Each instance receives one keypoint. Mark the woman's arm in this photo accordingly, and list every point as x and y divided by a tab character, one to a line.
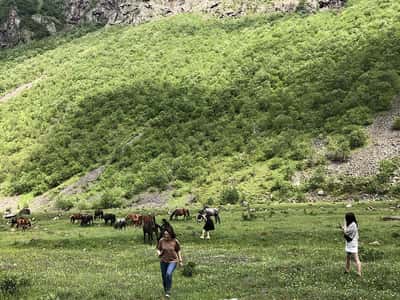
180	258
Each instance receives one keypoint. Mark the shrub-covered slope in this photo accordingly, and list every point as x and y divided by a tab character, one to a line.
195	99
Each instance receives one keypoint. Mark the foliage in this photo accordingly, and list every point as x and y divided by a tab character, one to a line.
189	269
189	98
12	284
396	124
64	202
230	195
338	148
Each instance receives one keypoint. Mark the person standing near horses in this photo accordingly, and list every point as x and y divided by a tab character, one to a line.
169	252
208	226
350	233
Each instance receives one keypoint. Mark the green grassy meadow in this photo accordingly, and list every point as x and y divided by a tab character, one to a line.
286	252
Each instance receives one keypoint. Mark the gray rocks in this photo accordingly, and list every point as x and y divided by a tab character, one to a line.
78	12
10	33
385	144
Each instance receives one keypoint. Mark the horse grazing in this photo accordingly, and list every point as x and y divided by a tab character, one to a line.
86	220
109	217
98	214
180	212
120	224
135	219
208	211
23	222
149	227
75	217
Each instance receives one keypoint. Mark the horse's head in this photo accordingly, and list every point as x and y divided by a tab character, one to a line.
201	217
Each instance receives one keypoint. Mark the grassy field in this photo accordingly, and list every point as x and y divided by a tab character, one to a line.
287	252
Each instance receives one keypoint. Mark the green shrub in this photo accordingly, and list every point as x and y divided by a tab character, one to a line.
357	138
387	169
189	269
64	203
109	199
317	179
12	284
338	149
230	195
396	124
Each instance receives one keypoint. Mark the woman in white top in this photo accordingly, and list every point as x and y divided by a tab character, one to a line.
350	232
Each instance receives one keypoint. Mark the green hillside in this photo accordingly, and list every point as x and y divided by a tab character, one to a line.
194	102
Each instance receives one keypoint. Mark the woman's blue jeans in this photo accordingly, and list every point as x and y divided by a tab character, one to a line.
166	271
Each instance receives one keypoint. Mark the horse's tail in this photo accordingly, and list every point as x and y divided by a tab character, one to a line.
218	218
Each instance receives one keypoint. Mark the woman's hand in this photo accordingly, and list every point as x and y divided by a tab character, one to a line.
181	263
159	253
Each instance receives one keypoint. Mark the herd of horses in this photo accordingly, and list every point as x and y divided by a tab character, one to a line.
147	222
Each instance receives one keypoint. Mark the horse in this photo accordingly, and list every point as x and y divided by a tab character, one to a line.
109	217
23	222
149	227
86	220
120	224
135	219
180	212
208	211
75	217
98	214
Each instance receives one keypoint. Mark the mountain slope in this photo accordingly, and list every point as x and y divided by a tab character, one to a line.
195	102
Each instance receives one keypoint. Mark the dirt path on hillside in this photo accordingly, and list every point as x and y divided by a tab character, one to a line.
18	90
384	143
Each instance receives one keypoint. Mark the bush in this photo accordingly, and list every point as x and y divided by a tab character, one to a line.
189	269
357	138
12	284
109	200
230	195
396	124
317	179
64	203
275	163
338	149
387	168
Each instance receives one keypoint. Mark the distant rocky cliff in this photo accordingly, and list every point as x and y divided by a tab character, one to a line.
18	26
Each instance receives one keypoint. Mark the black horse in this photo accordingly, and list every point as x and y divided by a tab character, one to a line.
86	220
98	214
109	217
208	211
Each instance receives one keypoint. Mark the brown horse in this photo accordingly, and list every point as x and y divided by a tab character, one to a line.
149	227
135	219
23	222
180	212
75	217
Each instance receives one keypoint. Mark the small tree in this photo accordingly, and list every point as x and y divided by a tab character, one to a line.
230	195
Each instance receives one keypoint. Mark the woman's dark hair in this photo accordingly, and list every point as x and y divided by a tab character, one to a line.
350	218
170	232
